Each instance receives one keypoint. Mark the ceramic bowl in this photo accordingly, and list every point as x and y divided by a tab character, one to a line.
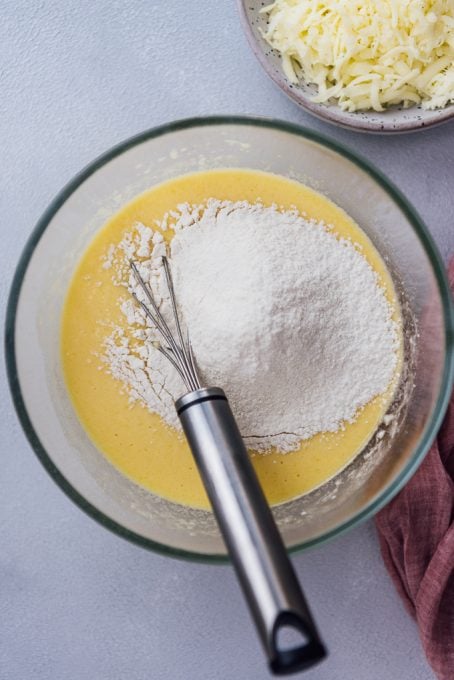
396	119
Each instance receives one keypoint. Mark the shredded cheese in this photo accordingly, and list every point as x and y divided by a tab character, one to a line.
369	54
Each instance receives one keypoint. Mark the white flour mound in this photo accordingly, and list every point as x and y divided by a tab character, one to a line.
287	318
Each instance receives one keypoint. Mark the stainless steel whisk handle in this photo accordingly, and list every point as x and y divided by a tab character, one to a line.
254	543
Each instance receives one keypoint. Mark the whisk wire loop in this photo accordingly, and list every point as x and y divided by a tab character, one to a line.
178	353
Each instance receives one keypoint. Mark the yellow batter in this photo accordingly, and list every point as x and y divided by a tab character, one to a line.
137	442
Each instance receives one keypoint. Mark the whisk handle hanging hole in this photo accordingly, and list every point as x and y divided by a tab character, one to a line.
253	541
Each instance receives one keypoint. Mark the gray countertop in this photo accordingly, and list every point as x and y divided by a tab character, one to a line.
77	602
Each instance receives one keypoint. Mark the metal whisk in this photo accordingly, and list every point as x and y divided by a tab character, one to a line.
179	355
255	546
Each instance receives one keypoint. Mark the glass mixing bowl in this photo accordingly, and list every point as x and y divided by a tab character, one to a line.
62	234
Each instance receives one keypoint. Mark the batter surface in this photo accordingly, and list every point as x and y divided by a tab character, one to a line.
138	442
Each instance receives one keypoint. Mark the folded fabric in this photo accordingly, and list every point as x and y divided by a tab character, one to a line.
416	532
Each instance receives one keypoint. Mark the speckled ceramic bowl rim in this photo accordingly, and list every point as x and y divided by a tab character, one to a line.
421	233
334	114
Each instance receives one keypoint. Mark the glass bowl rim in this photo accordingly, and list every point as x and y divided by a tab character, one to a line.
420	231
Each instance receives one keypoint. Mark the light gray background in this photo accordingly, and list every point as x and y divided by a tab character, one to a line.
76	602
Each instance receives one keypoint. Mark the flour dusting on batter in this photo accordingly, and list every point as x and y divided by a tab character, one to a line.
290	320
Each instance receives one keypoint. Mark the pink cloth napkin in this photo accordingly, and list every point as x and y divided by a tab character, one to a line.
416	532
